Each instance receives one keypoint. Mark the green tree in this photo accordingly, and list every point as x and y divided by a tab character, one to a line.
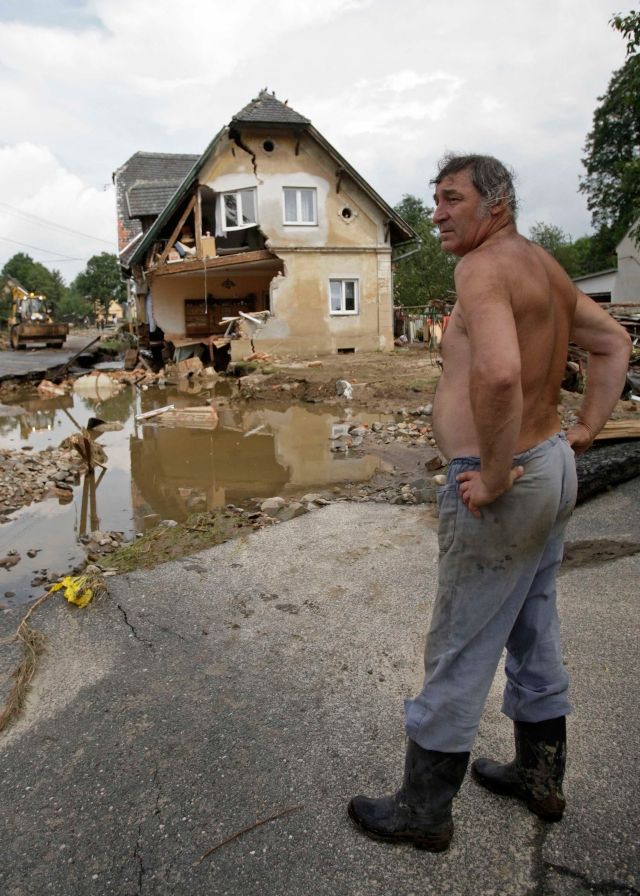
586	255
34	277
557	243
612	149
426	275
100	281
73	307
629	27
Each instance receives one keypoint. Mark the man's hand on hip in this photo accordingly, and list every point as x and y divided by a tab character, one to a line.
475	493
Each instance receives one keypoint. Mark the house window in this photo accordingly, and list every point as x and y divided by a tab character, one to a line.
300	205
343	296
239	209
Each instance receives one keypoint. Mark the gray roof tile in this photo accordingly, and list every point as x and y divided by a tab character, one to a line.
266	109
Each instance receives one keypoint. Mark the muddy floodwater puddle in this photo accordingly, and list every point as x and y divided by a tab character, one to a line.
156	472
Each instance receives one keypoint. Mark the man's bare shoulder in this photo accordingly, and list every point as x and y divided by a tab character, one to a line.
491	264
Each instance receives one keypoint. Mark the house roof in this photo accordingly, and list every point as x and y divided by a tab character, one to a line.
594	274
150	197
266	109
156	166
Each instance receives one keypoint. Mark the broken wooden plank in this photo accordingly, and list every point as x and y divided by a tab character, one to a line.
154	413
619	429
178	228
200	417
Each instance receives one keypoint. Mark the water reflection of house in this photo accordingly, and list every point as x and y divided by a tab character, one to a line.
177	471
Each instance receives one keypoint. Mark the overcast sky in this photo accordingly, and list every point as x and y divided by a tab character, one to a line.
392	85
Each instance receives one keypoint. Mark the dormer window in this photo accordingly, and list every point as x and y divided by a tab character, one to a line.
300	205
239	209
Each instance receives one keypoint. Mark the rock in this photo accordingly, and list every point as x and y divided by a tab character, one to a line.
440	479
313	498
344	389
434	462
169	524
98	386
10	560
292	511
377	427
271	504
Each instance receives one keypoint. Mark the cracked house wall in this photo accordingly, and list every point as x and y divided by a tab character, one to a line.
337	247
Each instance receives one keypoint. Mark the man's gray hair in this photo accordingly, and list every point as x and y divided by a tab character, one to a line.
492	179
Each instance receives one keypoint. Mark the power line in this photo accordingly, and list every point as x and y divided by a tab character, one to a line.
46	223
40	249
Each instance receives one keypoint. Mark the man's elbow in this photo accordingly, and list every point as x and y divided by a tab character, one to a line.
626	346
500	378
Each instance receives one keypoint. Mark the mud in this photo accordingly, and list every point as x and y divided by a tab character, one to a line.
593	552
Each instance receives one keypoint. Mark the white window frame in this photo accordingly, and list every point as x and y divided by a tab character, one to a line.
299	222
238	196
343	311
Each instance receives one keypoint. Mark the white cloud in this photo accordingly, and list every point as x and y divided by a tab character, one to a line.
390	87
39	193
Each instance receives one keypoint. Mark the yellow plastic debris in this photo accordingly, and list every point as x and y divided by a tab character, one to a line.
76	590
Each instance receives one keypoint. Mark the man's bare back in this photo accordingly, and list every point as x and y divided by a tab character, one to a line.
542	300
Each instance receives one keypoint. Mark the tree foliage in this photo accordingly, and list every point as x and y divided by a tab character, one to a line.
74	307
586	255
426	275
100	281
629	27
612	149
35	277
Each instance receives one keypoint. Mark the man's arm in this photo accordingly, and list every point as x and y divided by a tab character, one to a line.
494	379
609	347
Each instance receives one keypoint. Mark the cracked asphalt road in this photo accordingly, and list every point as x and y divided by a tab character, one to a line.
267	674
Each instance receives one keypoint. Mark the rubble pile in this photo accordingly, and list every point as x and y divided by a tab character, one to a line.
408	432
25	478
97	544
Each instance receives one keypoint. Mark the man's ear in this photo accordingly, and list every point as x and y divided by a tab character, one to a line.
498	206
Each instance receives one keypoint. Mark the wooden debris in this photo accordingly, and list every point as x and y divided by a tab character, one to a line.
131	359
201	417
154	413
619	429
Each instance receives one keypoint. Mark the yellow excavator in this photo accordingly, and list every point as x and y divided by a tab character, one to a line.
31	320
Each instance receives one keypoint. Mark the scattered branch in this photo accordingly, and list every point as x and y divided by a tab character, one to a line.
251	827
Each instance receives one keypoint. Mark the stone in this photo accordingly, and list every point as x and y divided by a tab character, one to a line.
344	389
292	511
434	463
270	504
313	498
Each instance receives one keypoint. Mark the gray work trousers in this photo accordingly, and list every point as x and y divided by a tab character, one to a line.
496	589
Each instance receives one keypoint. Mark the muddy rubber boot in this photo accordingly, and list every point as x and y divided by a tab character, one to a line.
420	812
536	774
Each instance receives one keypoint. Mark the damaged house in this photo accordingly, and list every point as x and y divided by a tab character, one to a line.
269	226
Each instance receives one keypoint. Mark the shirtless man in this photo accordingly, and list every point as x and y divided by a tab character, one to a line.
510	490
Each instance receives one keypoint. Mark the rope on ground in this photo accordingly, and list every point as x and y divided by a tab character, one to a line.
251	827
32	642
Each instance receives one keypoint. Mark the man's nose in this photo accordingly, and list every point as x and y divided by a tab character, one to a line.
438	214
